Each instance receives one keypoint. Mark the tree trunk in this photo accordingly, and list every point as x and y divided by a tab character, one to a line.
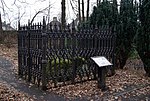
83	18
1	30
121	58
79	9
145	57
143	39
63	14
88	6
146	66
98	2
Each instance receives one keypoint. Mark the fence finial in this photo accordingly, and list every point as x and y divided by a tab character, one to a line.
19	25
29	24
44	23
55	27
73	25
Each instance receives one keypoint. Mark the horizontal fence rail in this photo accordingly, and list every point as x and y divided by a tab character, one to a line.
51	56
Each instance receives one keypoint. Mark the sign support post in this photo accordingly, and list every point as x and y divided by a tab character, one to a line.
102	78
102	62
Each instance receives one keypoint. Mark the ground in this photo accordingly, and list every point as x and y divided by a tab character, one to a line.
7	92
127	84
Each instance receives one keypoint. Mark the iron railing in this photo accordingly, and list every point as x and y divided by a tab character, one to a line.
53	56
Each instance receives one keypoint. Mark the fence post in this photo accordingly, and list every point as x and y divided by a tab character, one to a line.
29	54
44	61
114	48
19	54
74	53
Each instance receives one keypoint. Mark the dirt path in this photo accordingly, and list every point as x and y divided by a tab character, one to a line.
8	77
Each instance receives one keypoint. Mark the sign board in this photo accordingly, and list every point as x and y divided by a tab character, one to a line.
101	61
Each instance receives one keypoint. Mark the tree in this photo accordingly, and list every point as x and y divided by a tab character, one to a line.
1	30
21	6
83	17
79	9
143	37
7	11
63	16
0	24
105	14
98	2
125	22
93	17
126	30
115	12
102	15
88	6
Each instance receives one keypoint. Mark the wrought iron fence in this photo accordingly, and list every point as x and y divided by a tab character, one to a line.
53	56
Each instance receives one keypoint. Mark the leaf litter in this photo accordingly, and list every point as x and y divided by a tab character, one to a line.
121	86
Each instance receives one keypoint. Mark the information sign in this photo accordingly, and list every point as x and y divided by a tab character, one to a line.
101	61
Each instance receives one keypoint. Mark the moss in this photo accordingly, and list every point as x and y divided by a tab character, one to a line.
63	65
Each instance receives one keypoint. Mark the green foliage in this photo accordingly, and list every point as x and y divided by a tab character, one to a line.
126	30
54	65
125	22
133	54
58	64
103	14
143	36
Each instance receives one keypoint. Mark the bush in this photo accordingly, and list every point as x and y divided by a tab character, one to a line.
63	66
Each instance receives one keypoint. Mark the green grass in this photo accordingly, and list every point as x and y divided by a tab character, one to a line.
134	54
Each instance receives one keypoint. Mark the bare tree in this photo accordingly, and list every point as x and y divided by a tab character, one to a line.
79	9
0	25
38	12
88	7
63	13
7	11
83	17
21	6
48	17
0	22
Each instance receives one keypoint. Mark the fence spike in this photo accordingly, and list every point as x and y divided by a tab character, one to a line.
55	27
51	27
19	27
68	28
44	23
29	24
33	26
59	28
73	26
38	25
